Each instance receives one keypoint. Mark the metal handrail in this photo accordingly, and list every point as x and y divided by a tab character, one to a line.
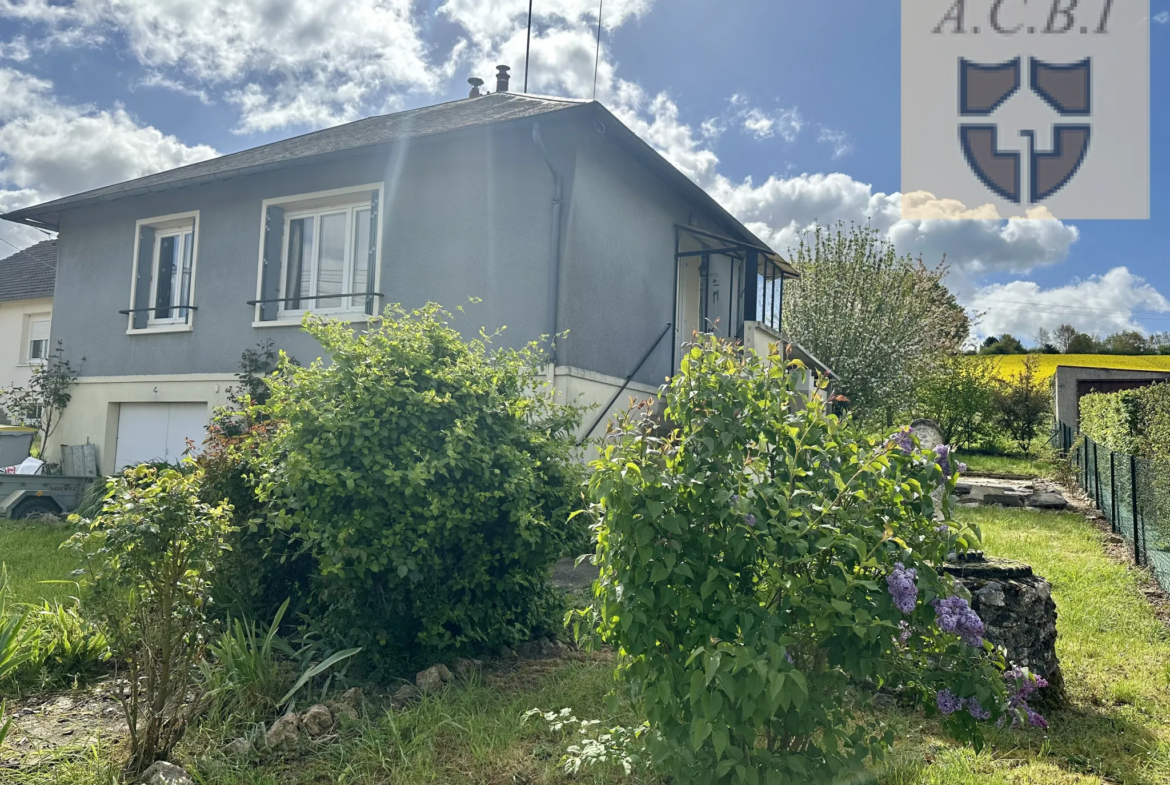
312	297
626	384
129	311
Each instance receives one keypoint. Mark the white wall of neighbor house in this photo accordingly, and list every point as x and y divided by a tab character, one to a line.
94	413
594	392
20	321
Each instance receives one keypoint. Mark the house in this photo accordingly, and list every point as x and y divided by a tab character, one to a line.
26	311
552	211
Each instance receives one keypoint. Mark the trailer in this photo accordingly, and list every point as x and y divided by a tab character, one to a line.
29	495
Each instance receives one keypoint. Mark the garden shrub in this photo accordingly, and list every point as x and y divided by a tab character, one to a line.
1024	403
960	397
765	567
148	559
1112	420
431	480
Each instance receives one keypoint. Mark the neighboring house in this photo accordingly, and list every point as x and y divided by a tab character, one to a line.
26	311
552	211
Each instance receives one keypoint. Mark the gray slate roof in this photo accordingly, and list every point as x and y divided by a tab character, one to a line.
424	121
29	274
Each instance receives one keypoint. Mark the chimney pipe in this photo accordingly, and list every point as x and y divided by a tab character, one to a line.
475	83
502	78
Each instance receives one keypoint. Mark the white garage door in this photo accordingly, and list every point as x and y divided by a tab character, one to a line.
158	431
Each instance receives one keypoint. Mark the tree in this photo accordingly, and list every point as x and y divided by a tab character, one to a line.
1062	336
1007	344
1043	337
44	398
1082	344
1127	342
960	397
880	321
1024	403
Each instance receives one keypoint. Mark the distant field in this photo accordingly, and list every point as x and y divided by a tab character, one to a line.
1009	364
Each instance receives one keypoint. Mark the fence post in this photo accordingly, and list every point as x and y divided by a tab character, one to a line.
1115	525
1096	475
1133	485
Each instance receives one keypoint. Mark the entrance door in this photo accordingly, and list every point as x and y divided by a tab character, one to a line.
158	431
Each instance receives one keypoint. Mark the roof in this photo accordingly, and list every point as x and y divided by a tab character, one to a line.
383	129
29	274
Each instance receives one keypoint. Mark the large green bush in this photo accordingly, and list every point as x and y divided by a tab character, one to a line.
754	563
1112	420
429	479
960	397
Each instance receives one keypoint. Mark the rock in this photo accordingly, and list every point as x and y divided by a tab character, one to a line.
433	678
539	649
928	432
285	732
406	695
239	747
317	721
1116	539
341	709
465	667
1047	500
991	594
354	698
163	773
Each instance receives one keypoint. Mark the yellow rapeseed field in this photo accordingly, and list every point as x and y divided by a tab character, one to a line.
1010	364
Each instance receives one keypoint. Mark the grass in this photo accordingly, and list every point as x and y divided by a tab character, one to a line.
33	554
1114	651
1006	464
1010	364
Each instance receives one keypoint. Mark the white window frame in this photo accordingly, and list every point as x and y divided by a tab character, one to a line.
26	357
164	225
179	315
337	200
317	213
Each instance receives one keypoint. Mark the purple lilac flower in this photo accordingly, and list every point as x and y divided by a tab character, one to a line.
948	702
905	633
788	656
955	615
735	499
901	440
902	588
750	520
976	710
962	467
1026	683
942	528
942	455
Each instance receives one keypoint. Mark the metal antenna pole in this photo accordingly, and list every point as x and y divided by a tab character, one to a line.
528	49
597	56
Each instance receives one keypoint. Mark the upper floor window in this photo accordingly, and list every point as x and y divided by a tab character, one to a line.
164	274
37	349
319	254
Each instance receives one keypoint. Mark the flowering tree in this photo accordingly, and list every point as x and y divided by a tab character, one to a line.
880	321
763	561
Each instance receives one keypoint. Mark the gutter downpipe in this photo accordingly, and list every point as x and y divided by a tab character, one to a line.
554	264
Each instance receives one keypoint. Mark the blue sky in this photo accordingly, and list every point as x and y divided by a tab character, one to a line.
786	110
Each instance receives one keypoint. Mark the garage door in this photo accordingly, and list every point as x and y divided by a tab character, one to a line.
158	431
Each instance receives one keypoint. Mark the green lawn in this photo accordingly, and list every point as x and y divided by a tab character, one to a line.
1006	464
33	554
1114	651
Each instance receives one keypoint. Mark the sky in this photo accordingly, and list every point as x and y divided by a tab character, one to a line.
786	111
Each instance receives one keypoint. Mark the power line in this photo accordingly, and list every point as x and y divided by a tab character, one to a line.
528	48
597	55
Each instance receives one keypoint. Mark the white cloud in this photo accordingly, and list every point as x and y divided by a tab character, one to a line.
49	149
1102	304
167	83
1162	17
838	140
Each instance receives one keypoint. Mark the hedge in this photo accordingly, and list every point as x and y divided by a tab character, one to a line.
1135	422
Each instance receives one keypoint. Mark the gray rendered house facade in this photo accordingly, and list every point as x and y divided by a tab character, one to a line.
551	211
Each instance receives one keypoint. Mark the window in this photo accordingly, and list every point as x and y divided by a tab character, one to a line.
315	255
171	276
326	252
38	339
163	290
